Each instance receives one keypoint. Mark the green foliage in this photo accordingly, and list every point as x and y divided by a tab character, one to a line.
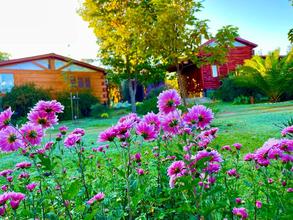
22	98
86	100
104	115
230	89
273	75
4	56
148	105
97	110
241	100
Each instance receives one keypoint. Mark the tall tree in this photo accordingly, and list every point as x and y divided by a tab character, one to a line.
4	56
178	35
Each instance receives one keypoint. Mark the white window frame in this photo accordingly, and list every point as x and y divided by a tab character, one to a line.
215	71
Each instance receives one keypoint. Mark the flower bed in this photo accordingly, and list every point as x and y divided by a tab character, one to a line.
159	166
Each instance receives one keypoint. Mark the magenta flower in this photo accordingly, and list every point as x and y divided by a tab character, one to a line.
171	122
199	116
48	145
152	119
23	175
79	131
108	135
4	188
258	204
287	130
50	107
15	199
238	200
177	169
5	117
30	187
147	131
249	157
241	212
140	171
23	165
226	147
237	146
32	133
42	118
10	139
63	129
71	140
168	101
233	172
98	197
6	173
2	210
132	118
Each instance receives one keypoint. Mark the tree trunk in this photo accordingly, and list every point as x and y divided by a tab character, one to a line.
180	83
132	92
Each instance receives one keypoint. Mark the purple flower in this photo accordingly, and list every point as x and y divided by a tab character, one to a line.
98	197
168	101
4	188
71	140
226	147
63	129
199	116
108	135
287	130
49	107
238	200
10	139
258	204
23	165
32	133
79	131
147	131
249	157
233	172
140	171
42	118
6	173
152	119
237	146
171	123
30	187
241	212
177	169
5	117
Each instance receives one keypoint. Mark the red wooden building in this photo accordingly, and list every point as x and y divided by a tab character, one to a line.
198	81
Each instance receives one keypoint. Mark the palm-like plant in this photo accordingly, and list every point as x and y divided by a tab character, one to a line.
272	75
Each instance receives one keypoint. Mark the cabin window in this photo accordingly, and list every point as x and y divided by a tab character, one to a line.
6	82
22	66
214	71
87	83
80	82
73	82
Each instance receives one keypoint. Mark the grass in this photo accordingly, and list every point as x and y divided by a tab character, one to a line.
250	125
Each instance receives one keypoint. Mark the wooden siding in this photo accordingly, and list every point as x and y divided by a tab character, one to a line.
56	81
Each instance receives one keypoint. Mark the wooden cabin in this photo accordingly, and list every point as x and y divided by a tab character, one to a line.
199	81
55	73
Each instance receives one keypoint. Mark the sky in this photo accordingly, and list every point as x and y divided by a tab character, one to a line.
34	27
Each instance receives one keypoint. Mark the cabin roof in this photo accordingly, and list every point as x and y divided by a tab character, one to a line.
54	56
238	39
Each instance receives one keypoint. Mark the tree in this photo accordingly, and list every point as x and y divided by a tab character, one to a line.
272	75
122	31
178	35
4	56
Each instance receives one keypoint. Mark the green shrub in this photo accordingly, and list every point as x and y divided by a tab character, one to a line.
105	115
22	98
86	100
155	92
241	100
97	110
148	105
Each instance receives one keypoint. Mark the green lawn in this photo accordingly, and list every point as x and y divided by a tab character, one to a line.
250	125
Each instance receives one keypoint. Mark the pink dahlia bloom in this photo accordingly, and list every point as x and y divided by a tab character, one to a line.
23	165
177	169
32	134
6	173
5	117
10	139
147	131
15	199
23	175
4	188
287	130
238	200
237	146
42	118
226	147
152	119
140	171
30	187
108	135
249	157
3	210
199	116
98	197
48	145
63	130
132	117
233	172
79	131
168	101
50	107
213	156
286	145
71	140
171	123
241	212
258	204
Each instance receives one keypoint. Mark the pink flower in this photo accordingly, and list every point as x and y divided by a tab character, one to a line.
171	122
140	171
6	173
5	117
168	101
233	172
98	197
226	147
50	107
23	175
4	188
63	129
147	131
289	190
241	212
108	135
30	187
10	139
249	157
23	165
79	131
238	200
9	178
152	119
32	133
199	116
237	146
132	118
212	168
42	118
177	169
258	204
48	145
71	140
2	210
287	130
270	180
